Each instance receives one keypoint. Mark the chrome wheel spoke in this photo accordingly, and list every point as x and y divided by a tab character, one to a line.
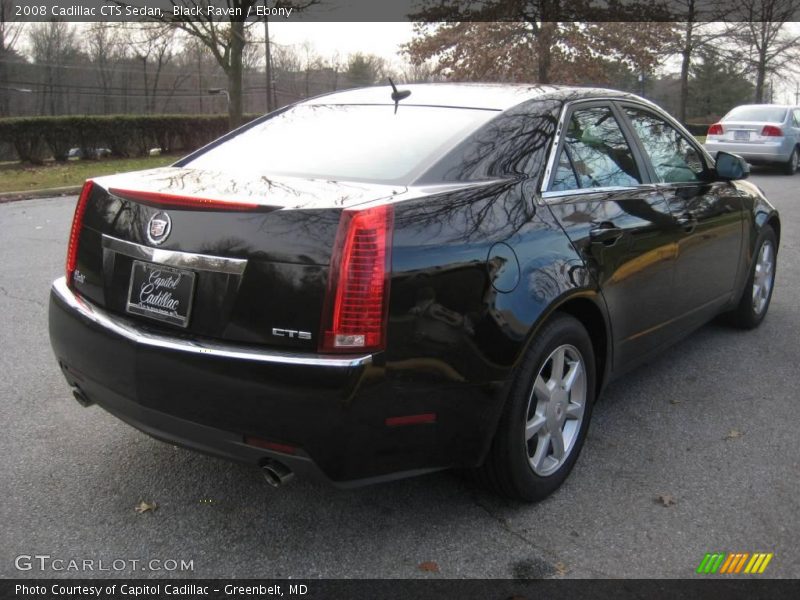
557	441
534	426
541	389
575	410
542	450
556	408
557	371
575	370
763	274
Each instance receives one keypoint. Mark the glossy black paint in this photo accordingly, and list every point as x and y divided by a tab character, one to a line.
481	257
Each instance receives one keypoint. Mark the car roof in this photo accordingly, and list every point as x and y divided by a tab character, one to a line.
488	96
767	105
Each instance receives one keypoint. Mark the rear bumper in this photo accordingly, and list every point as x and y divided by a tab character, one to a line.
208	397
767	152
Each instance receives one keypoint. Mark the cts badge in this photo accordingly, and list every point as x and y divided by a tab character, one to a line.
291	333
158	228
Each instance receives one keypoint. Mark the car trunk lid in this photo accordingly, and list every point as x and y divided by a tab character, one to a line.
746	131
246	259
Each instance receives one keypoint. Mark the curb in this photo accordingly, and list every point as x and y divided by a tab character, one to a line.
46	193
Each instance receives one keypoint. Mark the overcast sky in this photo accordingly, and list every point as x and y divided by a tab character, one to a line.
382	39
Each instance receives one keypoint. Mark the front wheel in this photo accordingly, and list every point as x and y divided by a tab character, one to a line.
758	290
547	412
790	167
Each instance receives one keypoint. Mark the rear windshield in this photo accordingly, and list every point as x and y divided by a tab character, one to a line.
775	114
345	142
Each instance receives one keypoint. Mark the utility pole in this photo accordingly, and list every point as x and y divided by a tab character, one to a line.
268	57
797	92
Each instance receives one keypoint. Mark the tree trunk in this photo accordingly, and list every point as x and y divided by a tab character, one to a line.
4	93
761	77
544	42
268	64
685	64
235	75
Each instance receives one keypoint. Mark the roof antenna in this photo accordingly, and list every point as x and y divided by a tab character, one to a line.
398	95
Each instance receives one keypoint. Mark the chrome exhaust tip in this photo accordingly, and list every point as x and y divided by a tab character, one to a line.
276	473
81	397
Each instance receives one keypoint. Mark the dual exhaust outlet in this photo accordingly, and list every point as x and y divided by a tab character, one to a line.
275	472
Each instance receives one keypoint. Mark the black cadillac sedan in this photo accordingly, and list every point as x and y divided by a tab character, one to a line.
374	284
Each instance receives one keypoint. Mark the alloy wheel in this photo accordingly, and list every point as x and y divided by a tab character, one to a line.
763	277
555	410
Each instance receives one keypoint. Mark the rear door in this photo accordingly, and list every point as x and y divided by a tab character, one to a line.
619	223
708	214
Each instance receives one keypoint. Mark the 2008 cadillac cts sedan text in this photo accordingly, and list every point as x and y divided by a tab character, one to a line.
374	284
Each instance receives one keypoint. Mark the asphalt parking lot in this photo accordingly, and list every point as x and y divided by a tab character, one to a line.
711	427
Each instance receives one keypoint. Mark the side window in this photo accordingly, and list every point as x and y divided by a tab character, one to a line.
565	178
796	118
674	158
595	153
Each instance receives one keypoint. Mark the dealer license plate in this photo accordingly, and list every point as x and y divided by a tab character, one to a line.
161	293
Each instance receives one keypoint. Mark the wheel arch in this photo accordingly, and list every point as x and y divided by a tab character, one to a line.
774	221
589	310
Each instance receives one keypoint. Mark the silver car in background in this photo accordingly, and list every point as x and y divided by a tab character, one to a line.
759	133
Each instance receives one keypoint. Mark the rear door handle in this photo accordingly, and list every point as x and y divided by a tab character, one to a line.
687	221
605	233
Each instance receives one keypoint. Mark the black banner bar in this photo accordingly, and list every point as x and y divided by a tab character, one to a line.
404	10
383	589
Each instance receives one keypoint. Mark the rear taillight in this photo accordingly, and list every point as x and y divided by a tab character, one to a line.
772	131
357	300
75	232
715	129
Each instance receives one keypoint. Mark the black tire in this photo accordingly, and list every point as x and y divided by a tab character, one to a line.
790	166
507	469
745	315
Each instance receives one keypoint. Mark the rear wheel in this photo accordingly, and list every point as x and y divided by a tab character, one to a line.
758	291
546	416
790	167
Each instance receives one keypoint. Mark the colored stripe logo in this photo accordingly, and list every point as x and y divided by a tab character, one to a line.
727	563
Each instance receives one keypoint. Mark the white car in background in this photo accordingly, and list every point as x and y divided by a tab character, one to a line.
759	133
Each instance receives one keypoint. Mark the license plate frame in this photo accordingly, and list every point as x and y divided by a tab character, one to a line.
161	293
741	135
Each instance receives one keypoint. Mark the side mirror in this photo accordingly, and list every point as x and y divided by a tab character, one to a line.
730	167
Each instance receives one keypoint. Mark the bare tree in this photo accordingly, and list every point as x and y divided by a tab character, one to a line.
312	62
287	62
697	29
760	37
54	44
153	46
422	72
105	50
226	40
9	34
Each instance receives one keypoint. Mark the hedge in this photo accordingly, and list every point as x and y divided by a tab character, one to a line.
36	138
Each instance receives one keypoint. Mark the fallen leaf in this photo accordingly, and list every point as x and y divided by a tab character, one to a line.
666	500
144	507
561	569
429	566
675	401
733	434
